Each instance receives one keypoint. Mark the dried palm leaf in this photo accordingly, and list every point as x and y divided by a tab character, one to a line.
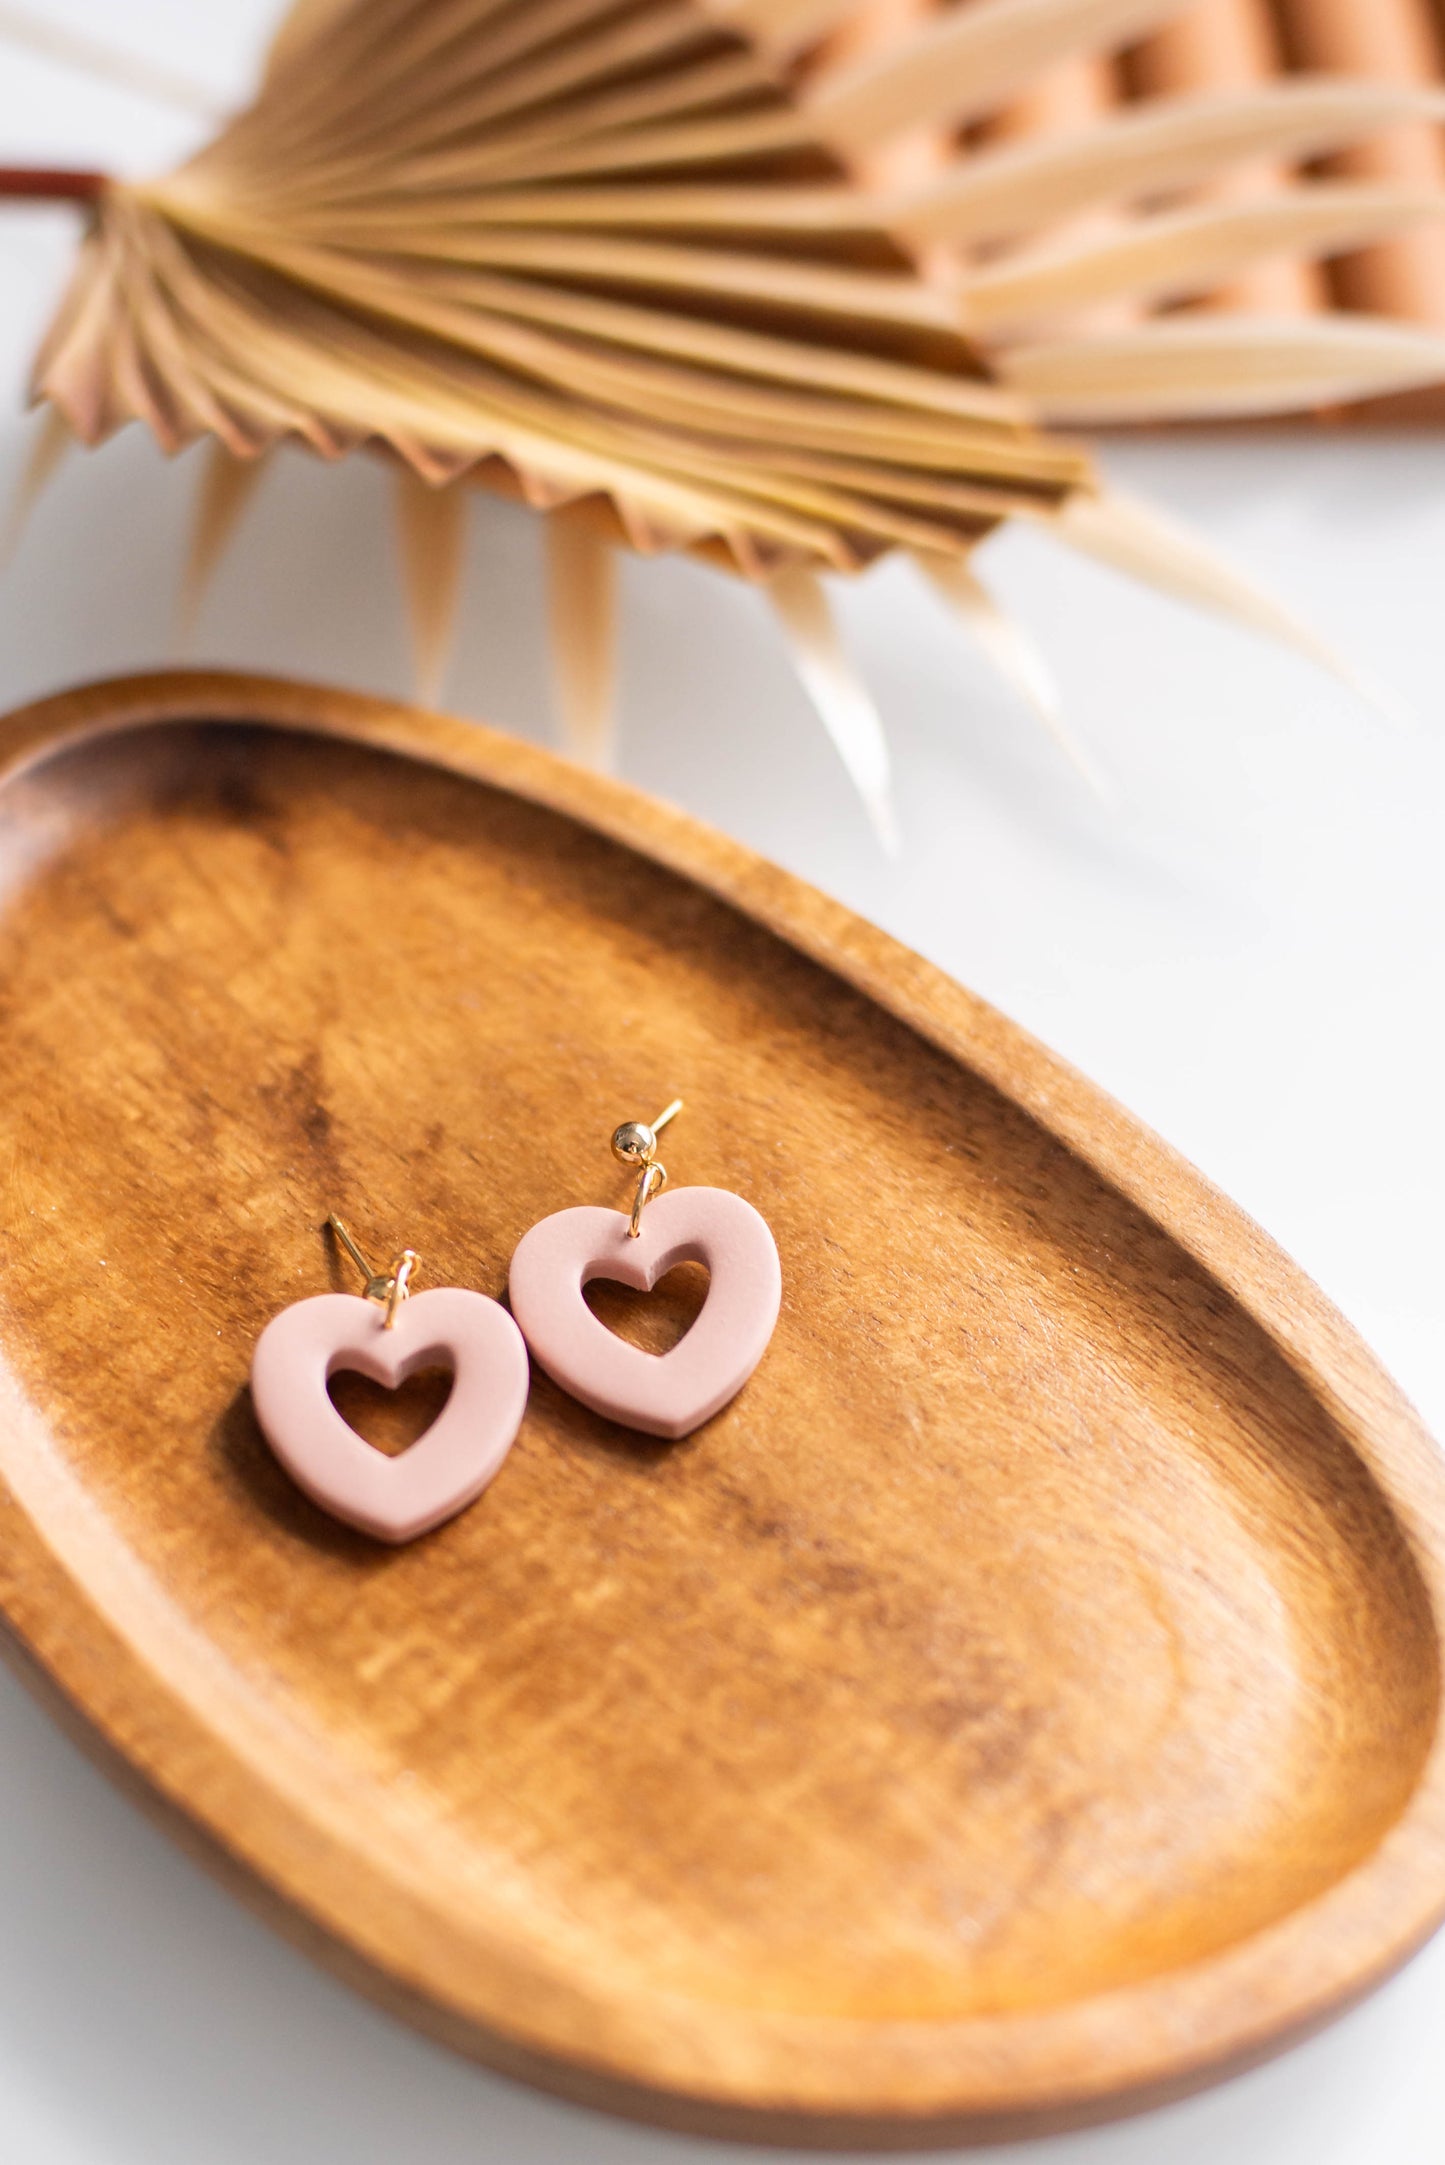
49	447
1210	368
1175	254
1146	152
1011	652
656	267
833	685
432	535
582	603
227	486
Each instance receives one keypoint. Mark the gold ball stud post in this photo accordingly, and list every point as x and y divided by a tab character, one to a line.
634	1143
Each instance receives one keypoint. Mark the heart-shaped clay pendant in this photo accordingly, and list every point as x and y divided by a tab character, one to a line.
394	1499
667	1394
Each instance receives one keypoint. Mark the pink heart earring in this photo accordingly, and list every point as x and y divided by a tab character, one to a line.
388	1335
667	1394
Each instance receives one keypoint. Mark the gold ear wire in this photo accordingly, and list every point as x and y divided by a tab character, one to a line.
635	1144
389	1288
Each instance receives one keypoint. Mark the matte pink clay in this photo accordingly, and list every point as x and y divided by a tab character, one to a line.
667	1394
393	1499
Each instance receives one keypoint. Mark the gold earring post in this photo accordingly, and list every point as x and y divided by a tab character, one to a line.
635	1144
336	1226
669	1112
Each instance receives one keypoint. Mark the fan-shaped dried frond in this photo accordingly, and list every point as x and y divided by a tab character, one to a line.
576	248
655	263
612	249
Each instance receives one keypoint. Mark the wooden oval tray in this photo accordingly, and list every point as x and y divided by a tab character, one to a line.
1021	1704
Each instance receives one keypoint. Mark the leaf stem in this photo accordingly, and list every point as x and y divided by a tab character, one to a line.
49	184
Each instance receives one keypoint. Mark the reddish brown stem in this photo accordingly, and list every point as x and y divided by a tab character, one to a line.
49	184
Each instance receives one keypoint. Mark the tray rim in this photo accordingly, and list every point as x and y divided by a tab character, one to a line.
1120	2051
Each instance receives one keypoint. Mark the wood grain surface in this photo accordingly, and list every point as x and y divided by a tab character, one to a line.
1022	1703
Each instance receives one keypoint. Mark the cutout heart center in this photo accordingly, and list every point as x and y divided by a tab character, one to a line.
391	1421
653	1322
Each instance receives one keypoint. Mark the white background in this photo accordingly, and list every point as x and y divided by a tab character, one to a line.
1245	949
